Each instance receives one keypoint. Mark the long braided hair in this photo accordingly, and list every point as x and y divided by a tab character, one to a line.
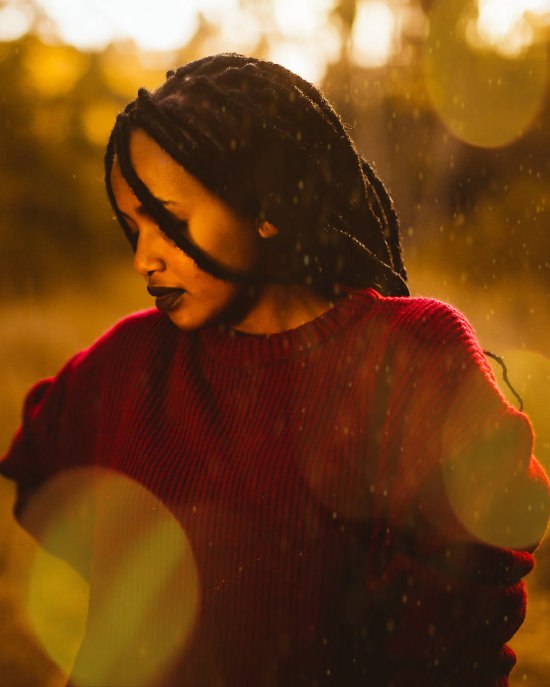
270	145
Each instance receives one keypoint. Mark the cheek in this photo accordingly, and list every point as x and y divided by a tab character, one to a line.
215	291
233	242
186	269
201	286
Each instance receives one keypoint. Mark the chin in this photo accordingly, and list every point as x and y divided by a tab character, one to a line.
188	323
188	320
229	310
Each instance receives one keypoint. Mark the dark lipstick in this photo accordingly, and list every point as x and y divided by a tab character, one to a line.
166	297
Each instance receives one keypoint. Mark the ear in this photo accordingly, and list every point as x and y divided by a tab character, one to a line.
267	230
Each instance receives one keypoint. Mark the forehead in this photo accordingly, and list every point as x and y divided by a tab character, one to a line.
162	175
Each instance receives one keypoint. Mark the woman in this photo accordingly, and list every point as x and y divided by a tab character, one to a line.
358	502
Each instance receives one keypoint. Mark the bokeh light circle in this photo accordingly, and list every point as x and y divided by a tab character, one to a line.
483	96
485	471
139	608
57	603
529	373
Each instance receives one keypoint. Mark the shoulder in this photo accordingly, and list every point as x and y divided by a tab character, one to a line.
421	316
425	333
130	344
147	325
139	331
425	320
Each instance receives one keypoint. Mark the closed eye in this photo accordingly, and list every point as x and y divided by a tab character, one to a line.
181	226
132	226
174	228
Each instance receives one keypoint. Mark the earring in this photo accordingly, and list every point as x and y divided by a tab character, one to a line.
266	230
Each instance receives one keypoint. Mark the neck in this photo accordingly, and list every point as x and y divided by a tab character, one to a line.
280	307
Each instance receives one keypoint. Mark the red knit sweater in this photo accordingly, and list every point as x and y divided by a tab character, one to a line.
357	500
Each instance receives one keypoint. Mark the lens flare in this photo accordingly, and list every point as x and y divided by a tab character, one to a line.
342	481
483	97
485	473
57	605
143	583
529	373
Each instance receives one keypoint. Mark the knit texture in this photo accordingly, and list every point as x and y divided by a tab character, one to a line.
309	471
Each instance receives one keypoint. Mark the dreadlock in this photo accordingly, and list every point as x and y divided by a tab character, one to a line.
270	145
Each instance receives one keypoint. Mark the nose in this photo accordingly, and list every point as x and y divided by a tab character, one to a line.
149	256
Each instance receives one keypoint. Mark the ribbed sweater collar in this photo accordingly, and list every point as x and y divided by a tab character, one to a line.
237	349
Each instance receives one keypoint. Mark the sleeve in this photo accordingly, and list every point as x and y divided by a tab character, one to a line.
57	437
57	430
62	415
463	504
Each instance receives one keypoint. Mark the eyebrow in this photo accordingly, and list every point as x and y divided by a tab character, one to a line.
142	212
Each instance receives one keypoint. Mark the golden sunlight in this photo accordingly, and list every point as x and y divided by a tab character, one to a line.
92	24
301	19
508	27
53	71
483	97
373	34
302	36
15	20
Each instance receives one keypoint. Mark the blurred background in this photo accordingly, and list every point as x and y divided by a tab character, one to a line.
450	100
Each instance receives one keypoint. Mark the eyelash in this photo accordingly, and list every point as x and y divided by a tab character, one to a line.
180	225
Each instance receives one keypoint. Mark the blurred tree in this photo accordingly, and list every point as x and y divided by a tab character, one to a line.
470	210
44	178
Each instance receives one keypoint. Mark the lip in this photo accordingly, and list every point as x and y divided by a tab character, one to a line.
160	291
166	297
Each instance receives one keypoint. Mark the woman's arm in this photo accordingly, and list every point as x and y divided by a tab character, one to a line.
466	505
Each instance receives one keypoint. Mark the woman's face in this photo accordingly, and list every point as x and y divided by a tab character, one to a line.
189	296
